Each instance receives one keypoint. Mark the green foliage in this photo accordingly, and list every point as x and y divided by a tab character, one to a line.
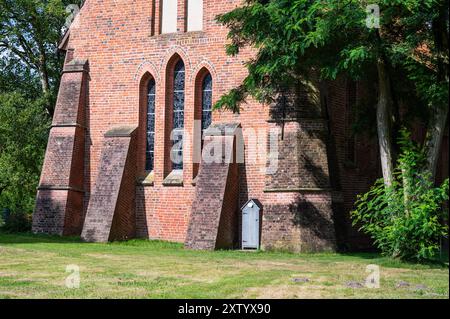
24	129
292	37
29	34
30	69
407	219
3	216
18	222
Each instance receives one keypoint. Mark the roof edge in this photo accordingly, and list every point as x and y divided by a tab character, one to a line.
62	44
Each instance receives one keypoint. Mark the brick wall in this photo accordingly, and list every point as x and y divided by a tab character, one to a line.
314	187
121	40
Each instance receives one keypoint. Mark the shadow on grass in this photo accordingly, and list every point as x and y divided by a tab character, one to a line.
441	262
30	238
7	238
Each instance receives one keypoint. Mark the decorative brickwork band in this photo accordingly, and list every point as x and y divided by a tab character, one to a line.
111	212
59	203
213	223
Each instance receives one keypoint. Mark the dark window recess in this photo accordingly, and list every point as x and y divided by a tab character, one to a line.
350	134
178	113
150	152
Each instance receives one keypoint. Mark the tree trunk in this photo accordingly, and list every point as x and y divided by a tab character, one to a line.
384	123
435	134
44	81
45	84
438	113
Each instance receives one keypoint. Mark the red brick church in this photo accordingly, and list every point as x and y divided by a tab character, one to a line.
134	117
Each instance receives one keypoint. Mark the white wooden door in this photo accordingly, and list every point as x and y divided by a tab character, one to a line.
250	227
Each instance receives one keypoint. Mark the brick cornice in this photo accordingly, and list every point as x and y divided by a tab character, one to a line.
76	66
121	131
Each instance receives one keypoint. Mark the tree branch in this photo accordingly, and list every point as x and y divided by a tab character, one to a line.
22	55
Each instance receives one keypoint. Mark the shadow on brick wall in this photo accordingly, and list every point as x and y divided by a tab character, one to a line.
316	229
243	198
141	214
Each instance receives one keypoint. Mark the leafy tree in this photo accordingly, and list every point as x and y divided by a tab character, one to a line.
23	135
18	77
30	69
29	34
407	52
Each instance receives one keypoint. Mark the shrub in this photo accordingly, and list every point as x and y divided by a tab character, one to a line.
2	220
18	222
407	219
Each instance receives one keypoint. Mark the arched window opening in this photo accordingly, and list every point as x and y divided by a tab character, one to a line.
195	15
178	115
150	150
203	114
206	102
169	16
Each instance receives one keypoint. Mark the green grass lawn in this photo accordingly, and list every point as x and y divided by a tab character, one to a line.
35	267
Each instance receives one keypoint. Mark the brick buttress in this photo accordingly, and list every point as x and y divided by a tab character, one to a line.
111	212
59	202
298	215
213	223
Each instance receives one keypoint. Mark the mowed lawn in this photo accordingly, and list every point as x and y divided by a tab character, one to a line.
35	267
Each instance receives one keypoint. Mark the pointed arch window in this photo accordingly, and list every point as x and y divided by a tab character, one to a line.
169	16
178	114
203	114
150	150
195	15
207	87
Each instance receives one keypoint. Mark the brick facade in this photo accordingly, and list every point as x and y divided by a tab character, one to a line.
305	201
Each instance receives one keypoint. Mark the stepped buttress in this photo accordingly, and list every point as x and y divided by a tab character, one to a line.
59	203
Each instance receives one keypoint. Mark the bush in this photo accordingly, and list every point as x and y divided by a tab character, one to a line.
2	220
17	223
406	220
